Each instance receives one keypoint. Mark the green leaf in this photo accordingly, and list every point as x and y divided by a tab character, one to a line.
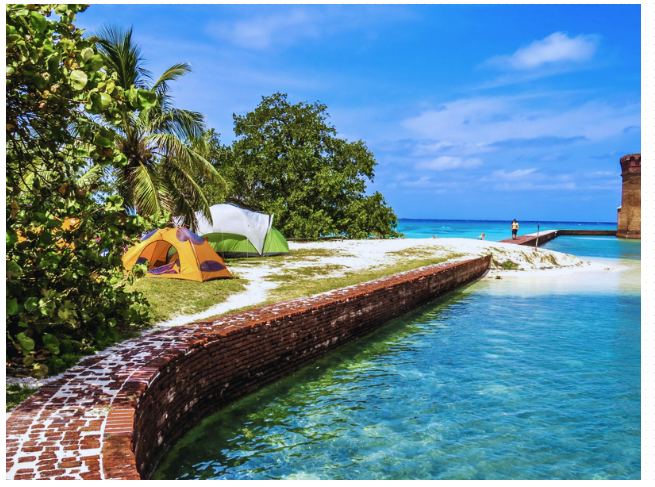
37	21
147	99
31	304
39	371
29	360
26	343
48	47
95	63
67	311
114	202
51	259
78	79
53	63
11	238
100	102
51	343
102	142
13	269
46	307
12	306
86	54
120	159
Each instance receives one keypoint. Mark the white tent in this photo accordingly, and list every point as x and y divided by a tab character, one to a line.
231	219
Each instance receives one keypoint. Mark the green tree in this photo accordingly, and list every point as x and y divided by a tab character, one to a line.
65	285
216	153
164	145
288	161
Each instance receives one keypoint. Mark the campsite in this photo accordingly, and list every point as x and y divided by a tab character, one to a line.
323	242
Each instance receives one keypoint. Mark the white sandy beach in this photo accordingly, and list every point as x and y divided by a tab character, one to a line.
360	255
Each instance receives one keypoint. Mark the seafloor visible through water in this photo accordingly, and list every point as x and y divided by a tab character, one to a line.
521	378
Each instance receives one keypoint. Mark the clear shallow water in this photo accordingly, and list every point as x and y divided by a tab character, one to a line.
534	379
493	230
604	247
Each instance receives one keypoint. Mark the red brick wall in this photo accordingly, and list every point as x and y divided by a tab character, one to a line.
116	416
629	214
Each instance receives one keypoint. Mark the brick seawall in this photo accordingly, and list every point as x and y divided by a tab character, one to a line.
116	416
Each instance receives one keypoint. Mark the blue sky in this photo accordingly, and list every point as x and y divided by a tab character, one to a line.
472	111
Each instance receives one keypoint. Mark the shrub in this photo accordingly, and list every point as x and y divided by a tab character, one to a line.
65	284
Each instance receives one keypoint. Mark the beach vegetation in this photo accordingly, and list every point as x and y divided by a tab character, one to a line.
508	265
16	393
65	287
288	161
163	145
171	297
296	283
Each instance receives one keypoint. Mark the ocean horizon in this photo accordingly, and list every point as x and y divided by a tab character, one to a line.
502	221
493	230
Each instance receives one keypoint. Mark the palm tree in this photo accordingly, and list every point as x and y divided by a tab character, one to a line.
164	145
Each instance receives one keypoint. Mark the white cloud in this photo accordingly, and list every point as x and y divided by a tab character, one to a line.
445	163
512	176
285	26
472	124
556	48
528	186
264	31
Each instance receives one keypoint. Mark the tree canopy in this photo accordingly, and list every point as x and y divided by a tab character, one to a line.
64	277
287	160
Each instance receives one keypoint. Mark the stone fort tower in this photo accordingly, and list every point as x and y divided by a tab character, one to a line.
629	214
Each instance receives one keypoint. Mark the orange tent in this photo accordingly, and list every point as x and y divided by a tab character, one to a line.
177	253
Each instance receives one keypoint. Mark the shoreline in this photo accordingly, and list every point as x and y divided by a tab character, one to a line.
363	255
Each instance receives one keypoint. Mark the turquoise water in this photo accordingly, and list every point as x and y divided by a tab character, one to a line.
519	378
605	247
493	230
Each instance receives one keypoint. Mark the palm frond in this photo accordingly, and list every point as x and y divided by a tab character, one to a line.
187	196
147	190
93	175
185	158
171	74
123	56
185	124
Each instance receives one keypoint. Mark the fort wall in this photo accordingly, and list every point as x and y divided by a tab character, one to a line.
629	213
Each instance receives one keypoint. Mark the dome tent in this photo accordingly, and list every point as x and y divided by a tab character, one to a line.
275	244
241	233
177	253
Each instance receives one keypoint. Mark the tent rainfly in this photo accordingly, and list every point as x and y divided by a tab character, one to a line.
241	233
177	253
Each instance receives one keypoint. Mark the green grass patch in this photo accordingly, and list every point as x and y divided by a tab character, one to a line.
17	393
508	265
279	260
302	273
298	283
171	297
416	252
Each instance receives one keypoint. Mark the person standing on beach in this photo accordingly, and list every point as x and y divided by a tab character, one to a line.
515	229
